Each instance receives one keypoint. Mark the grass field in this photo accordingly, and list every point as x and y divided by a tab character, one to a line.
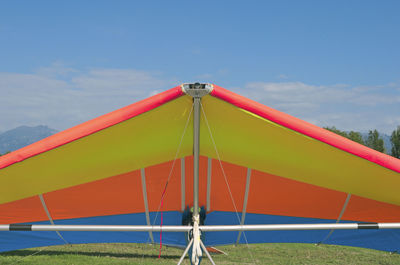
148	254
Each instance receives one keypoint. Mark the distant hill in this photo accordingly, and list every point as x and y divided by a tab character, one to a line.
22	136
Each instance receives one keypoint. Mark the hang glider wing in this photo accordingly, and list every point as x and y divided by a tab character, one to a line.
257	166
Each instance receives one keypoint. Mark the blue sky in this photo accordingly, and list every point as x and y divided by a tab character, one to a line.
328	62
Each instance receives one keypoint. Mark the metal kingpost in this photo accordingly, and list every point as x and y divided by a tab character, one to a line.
197	91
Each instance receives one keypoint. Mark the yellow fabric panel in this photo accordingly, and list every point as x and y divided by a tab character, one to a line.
246	139
148	139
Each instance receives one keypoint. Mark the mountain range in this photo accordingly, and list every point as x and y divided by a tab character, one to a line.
22	136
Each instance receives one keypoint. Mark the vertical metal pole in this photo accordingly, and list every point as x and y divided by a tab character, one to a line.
146	205
197	91
196	154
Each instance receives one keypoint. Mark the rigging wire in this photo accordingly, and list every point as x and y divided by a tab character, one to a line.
338	219
226	180
30	255
168	179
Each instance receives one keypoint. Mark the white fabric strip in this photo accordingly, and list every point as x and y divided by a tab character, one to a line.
49	216
209	170
146	205
246	196
182	184
339	218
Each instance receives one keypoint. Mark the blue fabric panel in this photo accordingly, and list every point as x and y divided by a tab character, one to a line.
12	240
388	240
385	239
229	218
169	218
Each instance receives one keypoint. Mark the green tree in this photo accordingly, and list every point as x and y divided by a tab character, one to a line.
337	131
395	140
352	135
374	141
356	137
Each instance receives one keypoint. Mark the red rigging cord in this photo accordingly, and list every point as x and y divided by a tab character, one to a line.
169	177
166	184
162	202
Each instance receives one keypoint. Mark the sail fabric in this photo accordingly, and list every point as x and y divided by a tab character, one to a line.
109	145
255	141
257	166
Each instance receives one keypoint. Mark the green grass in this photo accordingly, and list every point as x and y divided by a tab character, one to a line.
148	254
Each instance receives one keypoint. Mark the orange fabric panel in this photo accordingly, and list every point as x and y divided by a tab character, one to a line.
156	178
189	180
275	195
22	211
220	197
362	209
202	181
119	194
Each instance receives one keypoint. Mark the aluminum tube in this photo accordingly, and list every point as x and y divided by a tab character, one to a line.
196	154
204	228
207	253
185	252
127	228
146	204
389	225
133	228
210	228
4	227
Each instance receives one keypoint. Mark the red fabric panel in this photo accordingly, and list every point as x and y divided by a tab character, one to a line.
270	194
22	211
119	194
220	198
156	178
308	129
90	127
367	210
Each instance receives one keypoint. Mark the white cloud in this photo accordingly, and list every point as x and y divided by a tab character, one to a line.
344	106
110	80
56	70
61	97
374	100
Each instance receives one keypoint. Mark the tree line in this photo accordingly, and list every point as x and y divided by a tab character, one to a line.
373	140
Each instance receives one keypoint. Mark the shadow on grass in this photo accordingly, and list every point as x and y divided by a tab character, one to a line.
27	252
